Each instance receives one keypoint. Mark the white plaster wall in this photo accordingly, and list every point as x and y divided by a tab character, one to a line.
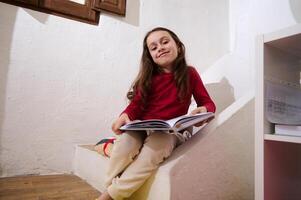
247	19
63	82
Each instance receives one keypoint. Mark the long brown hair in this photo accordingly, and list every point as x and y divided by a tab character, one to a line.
148	68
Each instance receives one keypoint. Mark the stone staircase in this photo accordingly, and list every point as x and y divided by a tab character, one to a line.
167	181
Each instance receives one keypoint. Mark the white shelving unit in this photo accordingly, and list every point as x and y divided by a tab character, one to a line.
277	158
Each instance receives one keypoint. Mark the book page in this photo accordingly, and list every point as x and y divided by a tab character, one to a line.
283	103
146	124
173	121
178	121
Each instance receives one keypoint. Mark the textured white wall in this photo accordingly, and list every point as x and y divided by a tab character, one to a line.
63	82
225	157
247	20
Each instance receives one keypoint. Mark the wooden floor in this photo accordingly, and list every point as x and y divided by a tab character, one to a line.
58	187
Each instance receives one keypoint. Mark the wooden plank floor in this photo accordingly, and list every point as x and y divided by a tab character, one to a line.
58	187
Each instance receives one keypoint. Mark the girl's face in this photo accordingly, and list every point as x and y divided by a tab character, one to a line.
163	49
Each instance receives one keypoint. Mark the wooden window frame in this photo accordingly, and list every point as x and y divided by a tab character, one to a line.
114	6
88	12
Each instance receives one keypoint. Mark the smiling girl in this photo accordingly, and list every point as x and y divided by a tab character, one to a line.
162	90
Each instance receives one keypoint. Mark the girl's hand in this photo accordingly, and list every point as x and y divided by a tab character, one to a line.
200	109
123	119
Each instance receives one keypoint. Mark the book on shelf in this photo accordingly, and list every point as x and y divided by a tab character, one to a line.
283	102
175	124
288	130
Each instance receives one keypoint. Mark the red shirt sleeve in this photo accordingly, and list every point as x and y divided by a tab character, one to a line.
134	109
199	91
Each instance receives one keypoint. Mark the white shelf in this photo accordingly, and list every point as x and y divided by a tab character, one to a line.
280	39
282	138
283	33
277	171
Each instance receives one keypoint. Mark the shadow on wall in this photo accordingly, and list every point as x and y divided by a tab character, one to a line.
7	21
296	9
37	15
222	94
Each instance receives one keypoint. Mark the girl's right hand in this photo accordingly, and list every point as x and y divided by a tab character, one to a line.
123	119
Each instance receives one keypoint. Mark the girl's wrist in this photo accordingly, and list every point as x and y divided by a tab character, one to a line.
202	109
124	117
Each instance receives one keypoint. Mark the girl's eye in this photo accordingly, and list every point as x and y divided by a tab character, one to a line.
165	41
153	48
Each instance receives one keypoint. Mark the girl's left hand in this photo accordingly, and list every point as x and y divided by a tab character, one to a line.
200	109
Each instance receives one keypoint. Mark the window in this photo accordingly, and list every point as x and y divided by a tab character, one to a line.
82	10
114	6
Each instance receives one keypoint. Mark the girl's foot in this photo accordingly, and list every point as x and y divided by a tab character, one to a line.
104	196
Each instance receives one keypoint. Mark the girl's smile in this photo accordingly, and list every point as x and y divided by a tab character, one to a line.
163	49
163	54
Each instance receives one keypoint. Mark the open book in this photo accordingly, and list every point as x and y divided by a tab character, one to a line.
175	124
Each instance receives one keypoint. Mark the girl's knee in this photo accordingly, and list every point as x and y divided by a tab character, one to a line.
127	144
161	140
158	147
154	156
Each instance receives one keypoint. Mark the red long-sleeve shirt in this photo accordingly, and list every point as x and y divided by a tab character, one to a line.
163	101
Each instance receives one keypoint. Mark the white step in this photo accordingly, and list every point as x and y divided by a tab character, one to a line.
91	166
201	168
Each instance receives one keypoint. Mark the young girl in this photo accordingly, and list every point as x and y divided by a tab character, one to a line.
162	90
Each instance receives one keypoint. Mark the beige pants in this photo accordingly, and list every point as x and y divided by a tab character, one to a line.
135	156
